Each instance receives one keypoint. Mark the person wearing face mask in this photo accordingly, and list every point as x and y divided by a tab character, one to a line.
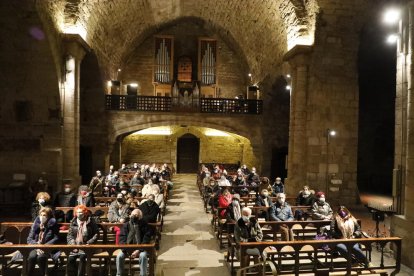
264	200
150	211
245	170
118	212
42	200
85	197
247	229
278	186
44	230
281	211
40	185
321	210
345	226
304	198
224	182
65	198
146	190
234	209
224	200
137	179
82	230
133	232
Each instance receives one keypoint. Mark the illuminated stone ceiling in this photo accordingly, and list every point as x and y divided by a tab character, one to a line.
258	29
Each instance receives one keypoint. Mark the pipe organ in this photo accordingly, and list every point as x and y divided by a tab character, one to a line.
207	61
163	65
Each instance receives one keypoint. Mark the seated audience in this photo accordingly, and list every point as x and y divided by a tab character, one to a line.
234	209
253	179
305	198
345	226
137	179
82	230
65	198
281	211
321	209
278	186
224	201
223	181
265	184
118	212
123	169
133	232
158	197
44	230
85	197
247	229
245	170
264	200
150	211
42	200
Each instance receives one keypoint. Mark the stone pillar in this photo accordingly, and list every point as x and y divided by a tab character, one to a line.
75	49
298	59
402	225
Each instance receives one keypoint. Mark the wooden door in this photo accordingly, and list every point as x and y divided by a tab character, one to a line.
188	148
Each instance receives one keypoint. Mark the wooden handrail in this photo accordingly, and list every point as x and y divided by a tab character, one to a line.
89	250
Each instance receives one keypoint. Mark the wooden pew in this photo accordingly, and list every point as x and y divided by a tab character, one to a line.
92	251
313	250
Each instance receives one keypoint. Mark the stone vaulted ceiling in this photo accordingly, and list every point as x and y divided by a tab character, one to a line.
262	30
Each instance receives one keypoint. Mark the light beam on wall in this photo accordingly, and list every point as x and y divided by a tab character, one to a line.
215	132
154	131
75	29
300	40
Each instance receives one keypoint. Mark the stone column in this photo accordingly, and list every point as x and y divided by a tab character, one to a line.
402	225
298	59
75	50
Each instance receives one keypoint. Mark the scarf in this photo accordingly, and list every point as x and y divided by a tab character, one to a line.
81	231
134	235
41	233
347	227
236	211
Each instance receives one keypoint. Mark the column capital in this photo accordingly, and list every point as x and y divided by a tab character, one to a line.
75	45
298	55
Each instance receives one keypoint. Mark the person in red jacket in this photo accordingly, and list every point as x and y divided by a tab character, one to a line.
224	200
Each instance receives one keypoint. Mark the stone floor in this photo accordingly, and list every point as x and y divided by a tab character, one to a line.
188	245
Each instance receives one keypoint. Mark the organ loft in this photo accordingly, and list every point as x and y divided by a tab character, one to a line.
182	108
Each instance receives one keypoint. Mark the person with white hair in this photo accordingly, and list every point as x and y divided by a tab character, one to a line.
278	186
158	197
133	232
247	229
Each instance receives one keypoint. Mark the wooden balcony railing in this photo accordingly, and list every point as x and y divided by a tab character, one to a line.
169	104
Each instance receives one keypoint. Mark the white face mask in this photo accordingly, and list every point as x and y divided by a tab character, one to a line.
245	218
67	190
43	220
42	201
322	200
281	201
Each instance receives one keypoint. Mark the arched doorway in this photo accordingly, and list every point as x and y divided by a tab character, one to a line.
188	149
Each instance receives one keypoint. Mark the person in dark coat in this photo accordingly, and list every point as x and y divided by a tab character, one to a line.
264	200
234	209
44	230
86	197
82	230
65	198
133	232
281	211
305	198
150	211
278	186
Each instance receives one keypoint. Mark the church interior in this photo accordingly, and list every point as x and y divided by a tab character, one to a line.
185	137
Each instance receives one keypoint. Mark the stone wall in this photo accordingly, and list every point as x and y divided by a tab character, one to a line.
30	101
232	149
232	74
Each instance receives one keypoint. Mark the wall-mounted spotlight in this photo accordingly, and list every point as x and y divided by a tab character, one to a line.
392	16
393	38
288	87
288	76
330	133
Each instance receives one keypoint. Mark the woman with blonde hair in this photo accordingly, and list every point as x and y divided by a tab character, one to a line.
42	200
345	226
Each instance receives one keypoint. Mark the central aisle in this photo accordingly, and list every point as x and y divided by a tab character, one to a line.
188	244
